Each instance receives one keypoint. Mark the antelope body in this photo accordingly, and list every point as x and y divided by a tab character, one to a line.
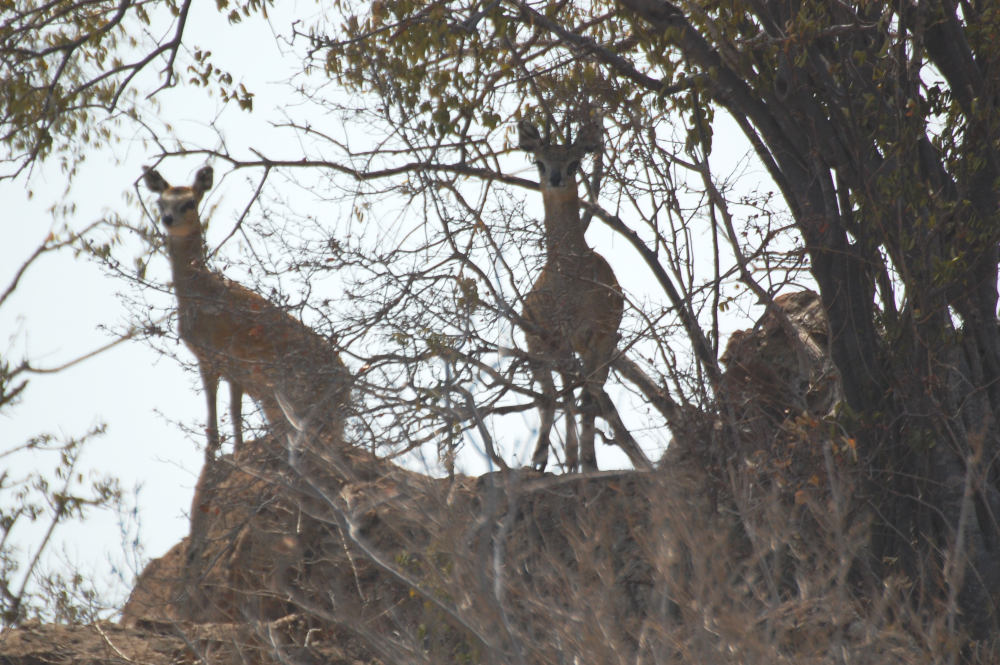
575	305
236	334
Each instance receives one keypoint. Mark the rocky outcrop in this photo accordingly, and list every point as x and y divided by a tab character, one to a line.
779	397
400	562
781	367
348	559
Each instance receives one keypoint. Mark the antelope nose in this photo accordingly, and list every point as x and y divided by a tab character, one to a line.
168	220
555	179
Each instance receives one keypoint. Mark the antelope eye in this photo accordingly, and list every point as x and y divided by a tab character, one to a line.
541	167
572	167
187	206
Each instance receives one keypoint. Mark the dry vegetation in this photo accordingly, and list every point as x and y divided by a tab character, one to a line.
832	489
760	559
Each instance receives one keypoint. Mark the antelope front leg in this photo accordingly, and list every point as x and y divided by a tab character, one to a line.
210	381
547	410
569	407
588	414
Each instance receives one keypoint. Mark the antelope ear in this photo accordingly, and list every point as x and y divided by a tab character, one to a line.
591	138
154	181
203	180
528	137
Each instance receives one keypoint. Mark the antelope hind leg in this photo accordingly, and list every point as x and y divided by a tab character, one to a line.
588	414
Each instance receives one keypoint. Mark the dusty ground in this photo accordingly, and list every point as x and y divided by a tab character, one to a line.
110	643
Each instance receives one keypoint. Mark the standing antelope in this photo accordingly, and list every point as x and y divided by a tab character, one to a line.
292	372
575	305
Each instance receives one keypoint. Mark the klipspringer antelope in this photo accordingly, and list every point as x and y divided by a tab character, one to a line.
575	306
290	370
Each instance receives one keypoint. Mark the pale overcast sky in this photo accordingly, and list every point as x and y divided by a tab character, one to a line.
63	305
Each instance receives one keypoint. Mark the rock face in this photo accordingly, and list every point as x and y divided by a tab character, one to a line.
334	557
778	394
385	561
401	569
781	367
398	562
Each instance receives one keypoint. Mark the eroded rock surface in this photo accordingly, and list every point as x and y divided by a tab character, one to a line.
335	558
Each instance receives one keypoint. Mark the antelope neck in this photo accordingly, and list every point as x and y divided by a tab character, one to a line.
187	258
563	234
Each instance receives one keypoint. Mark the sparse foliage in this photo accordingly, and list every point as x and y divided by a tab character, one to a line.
413	237
34	504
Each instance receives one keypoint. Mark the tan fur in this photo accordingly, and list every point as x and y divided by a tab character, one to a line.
575	305
292	372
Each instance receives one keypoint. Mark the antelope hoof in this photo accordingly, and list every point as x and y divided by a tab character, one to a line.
212	434
538	462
